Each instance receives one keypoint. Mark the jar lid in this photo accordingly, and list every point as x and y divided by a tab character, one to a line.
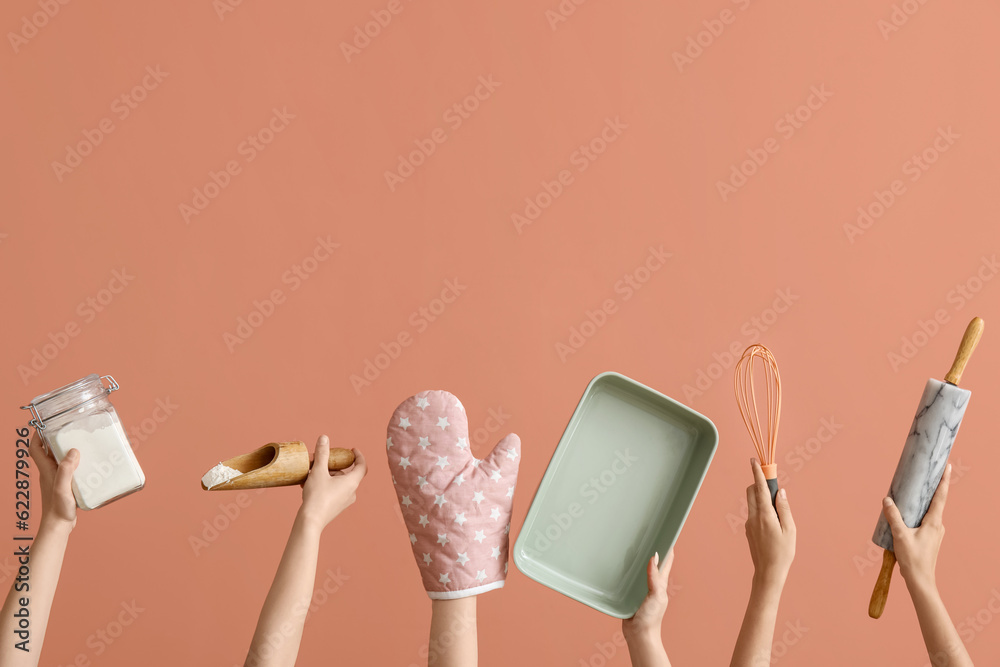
69	397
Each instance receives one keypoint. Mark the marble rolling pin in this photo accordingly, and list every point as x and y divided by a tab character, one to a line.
924	457
275	464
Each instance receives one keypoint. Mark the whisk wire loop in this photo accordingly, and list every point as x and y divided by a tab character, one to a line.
765	437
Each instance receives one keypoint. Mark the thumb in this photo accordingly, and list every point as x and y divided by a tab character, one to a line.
668	562
653	573
893	517
63	484
321	457
505	457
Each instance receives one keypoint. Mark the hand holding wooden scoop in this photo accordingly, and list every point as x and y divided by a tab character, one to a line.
277	464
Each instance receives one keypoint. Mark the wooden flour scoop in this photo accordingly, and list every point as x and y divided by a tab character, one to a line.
277	464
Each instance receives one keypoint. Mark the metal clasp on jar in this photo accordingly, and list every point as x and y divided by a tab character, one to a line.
39	425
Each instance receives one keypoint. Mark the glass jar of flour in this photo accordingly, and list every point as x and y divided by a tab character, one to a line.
80	416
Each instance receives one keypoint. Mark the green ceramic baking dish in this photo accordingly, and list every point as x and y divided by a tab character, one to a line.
619	486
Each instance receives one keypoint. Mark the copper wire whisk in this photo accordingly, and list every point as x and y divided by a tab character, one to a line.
765	438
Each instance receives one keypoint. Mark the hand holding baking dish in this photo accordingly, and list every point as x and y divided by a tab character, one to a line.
618	489
456	507
925	454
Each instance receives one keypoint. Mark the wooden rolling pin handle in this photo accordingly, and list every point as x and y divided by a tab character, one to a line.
972	335
340	458
881	592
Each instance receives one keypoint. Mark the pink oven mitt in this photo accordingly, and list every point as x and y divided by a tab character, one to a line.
456	507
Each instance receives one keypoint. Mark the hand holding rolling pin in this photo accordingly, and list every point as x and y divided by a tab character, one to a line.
916	552
922	462
917	549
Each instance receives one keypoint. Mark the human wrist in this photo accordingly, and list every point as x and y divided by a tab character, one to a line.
55	526
309	521
465	608
920	584
768	583
466	602
642	635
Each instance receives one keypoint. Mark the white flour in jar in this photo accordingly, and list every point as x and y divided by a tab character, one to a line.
220	474
108	467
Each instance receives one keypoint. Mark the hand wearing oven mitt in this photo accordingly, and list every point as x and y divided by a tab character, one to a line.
456	507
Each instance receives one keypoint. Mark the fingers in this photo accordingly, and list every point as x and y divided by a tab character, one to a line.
785	512
63	484
894	518
935	512
658	574
752	502
321	458
356	470
43	459
763	493
360	467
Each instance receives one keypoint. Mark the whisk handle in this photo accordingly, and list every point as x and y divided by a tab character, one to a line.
772	485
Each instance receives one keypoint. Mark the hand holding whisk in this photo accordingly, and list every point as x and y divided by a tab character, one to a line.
764	438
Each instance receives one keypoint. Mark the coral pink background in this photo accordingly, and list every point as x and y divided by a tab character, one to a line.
856	296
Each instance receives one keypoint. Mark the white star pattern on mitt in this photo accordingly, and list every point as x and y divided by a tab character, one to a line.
456	507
